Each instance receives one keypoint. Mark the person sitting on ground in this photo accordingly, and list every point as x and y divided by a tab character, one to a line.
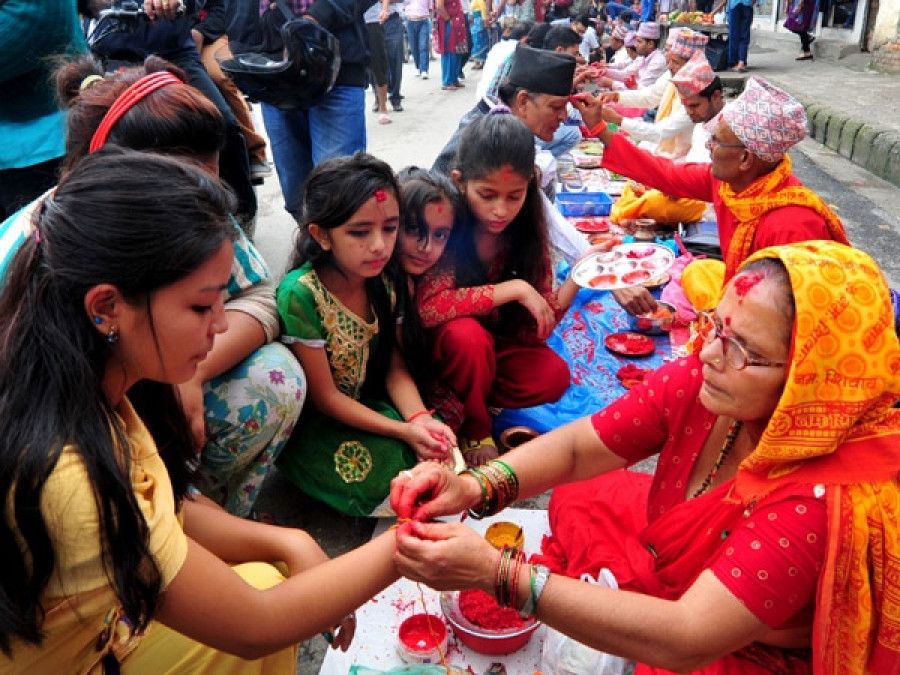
642	72
338	306
590	43
757	199
490	303
564	39
430	206
536	91
615	47
768	539
700	94
245	397
109	562
669	135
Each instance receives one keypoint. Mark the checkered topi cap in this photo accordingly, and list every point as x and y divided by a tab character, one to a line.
619	32
766	119
687	43
649	30
694	76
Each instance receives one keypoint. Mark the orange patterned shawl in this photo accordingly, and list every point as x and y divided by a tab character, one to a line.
835	427
758	199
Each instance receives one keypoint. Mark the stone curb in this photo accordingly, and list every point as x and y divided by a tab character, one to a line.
866	144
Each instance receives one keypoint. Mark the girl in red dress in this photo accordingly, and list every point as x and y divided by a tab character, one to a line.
490	301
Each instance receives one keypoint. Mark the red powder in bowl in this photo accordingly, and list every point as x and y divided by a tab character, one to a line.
482	609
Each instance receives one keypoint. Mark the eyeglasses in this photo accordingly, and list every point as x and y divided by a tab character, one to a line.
735	354
712	143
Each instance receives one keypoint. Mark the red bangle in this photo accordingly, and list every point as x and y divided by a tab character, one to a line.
598	129
419	414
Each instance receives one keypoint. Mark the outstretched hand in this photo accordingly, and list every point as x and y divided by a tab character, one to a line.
590	107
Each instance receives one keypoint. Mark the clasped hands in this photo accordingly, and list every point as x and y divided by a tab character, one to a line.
445	556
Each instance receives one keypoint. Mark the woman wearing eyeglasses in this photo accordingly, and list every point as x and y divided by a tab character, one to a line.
768	538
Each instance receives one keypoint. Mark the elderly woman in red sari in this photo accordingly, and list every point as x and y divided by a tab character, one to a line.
768	539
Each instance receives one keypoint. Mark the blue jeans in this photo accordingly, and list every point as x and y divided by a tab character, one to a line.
419	35
740	18
393	41
301	139
449	62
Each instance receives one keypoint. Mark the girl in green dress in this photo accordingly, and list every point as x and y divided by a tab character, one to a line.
367	421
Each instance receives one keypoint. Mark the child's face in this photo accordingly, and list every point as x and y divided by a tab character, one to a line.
417	255
496	199
363	245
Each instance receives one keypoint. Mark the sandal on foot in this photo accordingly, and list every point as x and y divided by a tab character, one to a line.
384	119
805	57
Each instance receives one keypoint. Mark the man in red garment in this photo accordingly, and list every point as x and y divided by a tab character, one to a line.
758	200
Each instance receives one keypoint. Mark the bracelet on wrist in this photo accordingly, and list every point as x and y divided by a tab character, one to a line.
593	132
419	414
539	576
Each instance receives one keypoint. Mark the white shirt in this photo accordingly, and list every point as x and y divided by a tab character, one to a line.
494	61
677	126
589	43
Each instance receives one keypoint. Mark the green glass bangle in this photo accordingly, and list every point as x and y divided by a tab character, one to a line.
483	484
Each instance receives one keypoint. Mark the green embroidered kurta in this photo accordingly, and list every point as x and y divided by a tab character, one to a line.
347	468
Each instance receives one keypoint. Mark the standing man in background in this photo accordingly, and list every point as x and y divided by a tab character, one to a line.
336	124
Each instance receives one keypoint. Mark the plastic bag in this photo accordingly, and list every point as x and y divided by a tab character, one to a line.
561	655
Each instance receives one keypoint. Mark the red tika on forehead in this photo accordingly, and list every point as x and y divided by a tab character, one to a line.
744	282
380	195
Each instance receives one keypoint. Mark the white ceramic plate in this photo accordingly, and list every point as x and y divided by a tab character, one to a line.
624	266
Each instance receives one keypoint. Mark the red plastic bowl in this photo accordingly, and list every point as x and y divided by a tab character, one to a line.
483	640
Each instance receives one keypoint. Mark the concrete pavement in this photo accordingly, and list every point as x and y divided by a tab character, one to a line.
851	111
851	108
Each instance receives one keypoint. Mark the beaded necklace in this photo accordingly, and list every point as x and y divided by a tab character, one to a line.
733	430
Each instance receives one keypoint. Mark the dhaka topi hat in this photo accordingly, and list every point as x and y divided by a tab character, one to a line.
687	43
766	119
673	35
631	39
649	30
620	32
541	71
694	76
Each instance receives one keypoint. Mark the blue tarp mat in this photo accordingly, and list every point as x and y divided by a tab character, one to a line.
579	340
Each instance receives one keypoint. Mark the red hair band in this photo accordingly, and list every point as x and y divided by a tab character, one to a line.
140	89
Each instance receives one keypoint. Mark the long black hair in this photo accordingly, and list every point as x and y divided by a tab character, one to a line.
140	222
419	188
333	192
488	144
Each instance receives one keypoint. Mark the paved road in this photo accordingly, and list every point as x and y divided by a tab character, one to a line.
867	205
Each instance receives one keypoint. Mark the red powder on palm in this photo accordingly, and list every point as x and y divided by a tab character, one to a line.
482	609
745	282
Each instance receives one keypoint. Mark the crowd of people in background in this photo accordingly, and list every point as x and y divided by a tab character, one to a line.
153	372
